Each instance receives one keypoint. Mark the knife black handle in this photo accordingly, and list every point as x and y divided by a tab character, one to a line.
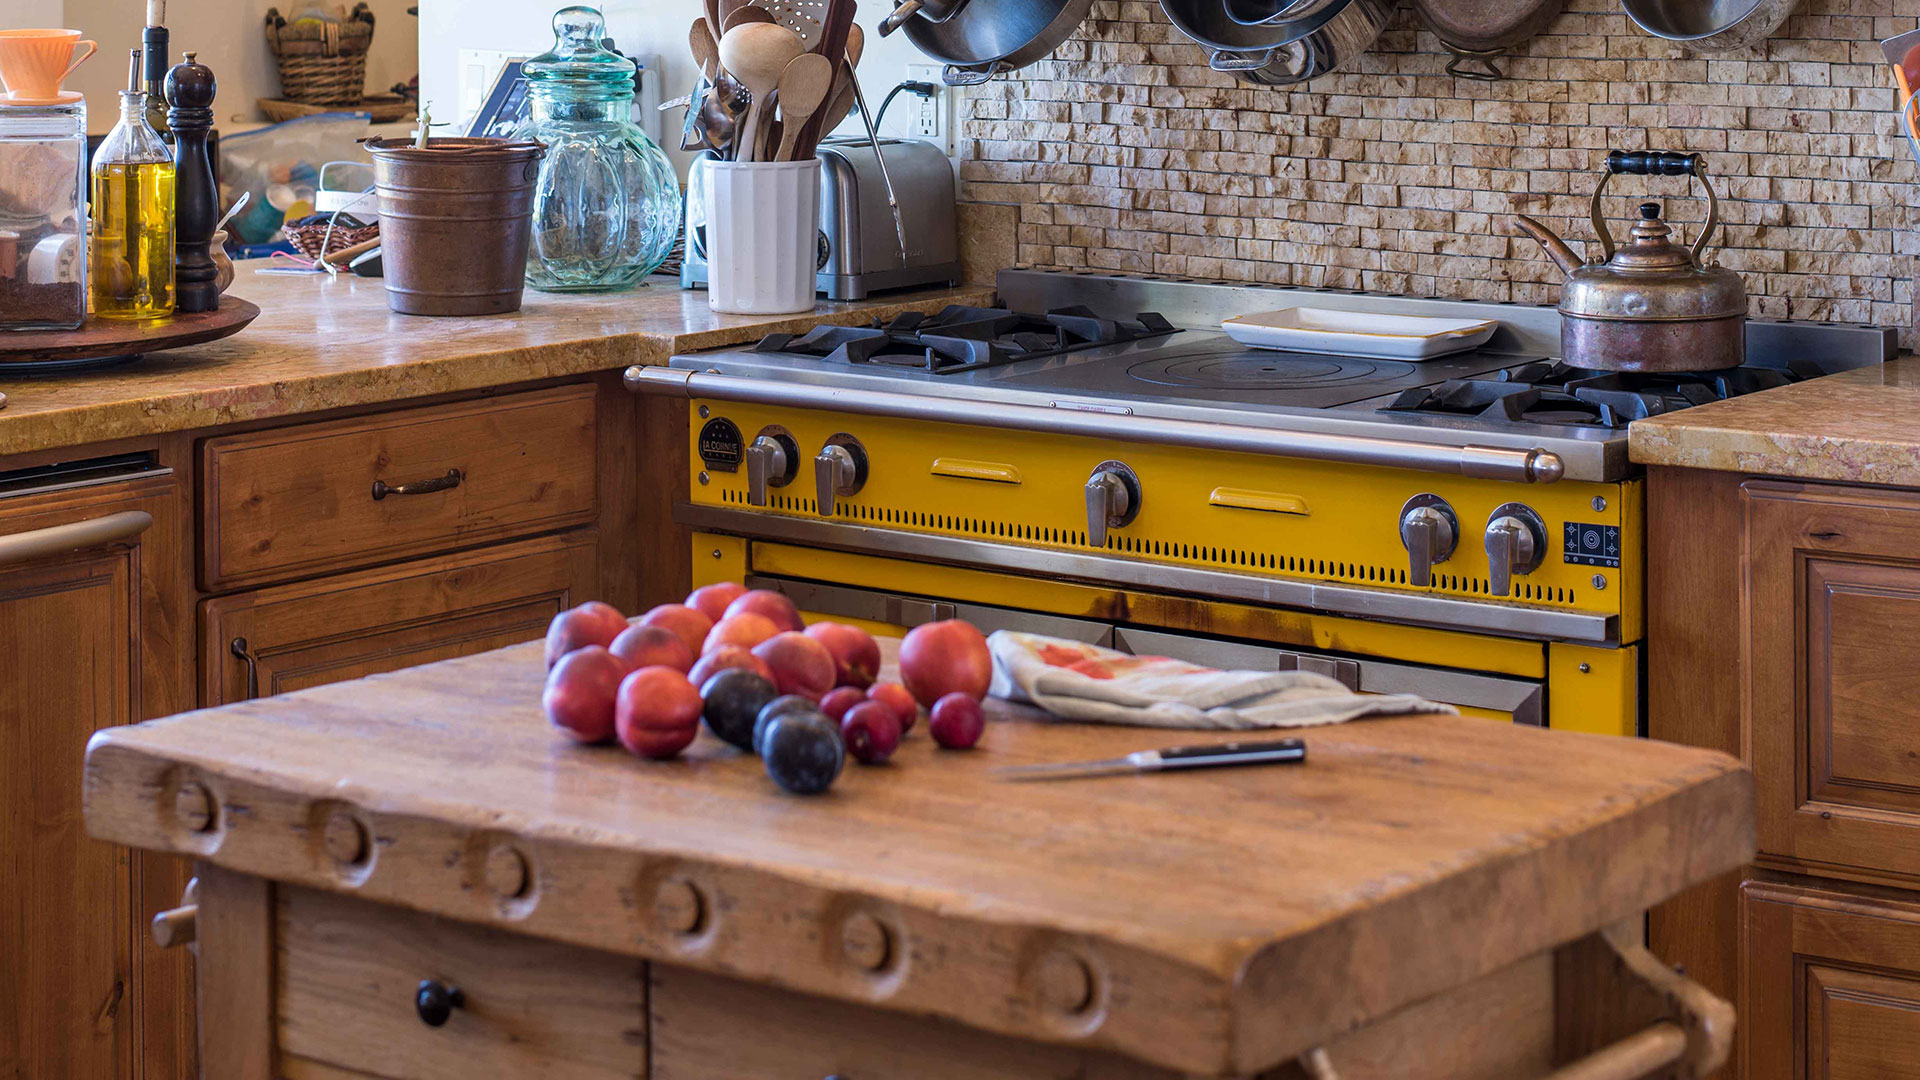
1234	753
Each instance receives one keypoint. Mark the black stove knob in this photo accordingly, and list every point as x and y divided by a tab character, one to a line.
1113	500
1516	544
1429	531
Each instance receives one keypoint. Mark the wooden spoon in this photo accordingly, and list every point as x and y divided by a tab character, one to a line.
705	48
757	54
804	85
856	44
743	15
713	13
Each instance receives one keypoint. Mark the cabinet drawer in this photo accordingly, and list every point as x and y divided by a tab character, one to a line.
346	974
1832	985
1832	601
706	1027
290	637
296	501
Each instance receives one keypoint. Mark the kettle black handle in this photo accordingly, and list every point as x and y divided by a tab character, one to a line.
1655	163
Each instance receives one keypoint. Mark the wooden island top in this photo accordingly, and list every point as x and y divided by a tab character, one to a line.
1214	923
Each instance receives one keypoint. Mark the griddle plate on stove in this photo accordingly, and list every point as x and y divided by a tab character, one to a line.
962	338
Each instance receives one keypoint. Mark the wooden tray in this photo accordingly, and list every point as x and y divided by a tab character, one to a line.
100	341
386	108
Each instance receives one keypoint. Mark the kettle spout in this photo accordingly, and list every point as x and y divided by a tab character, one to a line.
1556	248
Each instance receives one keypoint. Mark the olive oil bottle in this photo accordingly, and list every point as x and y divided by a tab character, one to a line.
130	261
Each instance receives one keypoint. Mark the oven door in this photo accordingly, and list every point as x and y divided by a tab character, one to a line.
1494	697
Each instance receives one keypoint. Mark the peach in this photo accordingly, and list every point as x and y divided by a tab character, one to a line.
592	623
647	646
771	604
656	712
800	664
856	656
724	657
712	600
580	693
683	620
745	630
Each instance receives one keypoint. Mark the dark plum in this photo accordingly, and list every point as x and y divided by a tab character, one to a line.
734	698
780	706
803	752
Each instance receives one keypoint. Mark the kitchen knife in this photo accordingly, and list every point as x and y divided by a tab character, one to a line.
1218	755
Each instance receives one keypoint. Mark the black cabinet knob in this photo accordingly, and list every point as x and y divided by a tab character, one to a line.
435	1001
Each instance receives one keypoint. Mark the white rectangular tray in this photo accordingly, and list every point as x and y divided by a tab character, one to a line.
1359	333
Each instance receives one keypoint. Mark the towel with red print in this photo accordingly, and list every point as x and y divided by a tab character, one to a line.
1077	681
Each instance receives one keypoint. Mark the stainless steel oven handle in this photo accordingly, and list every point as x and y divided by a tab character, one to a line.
1534	466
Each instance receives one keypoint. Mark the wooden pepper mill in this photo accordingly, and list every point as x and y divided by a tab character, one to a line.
190	90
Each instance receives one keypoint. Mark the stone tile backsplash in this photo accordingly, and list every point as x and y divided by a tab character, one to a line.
1125	152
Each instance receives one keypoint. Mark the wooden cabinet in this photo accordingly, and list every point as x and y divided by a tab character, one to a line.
1785	627
1831	989
290	637
85	573
1833	613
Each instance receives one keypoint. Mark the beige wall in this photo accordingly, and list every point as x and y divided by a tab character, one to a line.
1124	152
228	36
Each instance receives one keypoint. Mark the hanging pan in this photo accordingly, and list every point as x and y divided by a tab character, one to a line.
1479	32
1276	42
979	39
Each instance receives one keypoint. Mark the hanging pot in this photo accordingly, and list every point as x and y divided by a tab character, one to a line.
933	11
1274	43
983	38
1479	32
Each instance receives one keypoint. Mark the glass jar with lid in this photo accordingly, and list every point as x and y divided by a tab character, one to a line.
43	216
607	205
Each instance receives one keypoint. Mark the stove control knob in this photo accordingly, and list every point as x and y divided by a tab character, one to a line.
1516	544
1429	531
840	468
772	460
1113	500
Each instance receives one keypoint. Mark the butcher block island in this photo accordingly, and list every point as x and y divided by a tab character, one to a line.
414	875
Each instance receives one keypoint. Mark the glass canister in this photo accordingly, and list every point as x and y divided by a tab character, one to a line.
607	206
43	216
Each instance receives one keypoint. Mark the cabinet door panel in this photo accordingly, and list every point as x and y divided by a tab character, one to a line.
1833	675
1830	988
65	628
352	625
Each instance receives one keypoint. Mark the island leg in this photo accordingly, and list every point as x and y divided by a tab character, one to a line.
234	928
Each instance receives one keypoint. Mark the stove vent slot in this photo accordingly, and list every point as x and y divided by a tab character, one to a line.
1235	558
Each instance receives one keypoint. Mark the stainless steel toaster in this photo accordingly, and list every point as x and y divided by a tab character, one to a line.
860	250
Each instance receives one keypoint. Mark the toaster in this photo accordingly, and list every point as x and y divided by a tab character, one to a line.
860	250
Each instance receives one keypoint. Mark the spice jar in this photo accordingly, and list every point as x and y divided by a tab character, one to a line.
607	206
43	216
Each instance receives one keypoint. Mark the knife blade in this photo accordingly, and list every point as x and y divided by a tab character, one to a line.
1168	759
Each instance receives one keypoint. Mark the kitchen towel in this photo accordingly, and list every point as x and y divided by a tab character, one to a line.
1077	681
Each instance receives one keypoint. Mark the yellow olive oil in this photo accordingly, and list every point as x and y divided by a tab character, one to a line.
131	262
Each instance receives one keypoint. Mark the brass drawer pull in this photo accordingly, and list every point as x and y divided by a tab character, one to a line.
238	647
1270	502
962	469
435	1002
382	489
60	539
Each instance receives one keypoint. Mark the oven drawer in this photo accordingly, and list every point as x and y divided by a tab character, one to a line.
347	973
1520	700
297	501
896	613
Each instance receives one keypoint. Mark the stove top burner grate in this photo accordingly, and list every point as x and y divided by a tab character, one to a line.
1554	392
961	338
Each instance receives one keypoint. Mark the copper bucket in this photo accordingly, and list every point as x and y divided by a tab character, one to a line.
455	222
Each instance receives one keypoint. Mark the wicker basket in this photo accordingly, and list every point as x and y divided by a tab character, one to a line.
322	63
307	239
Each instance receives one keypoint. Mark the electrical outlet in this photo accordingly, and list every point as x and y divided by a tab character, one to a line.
931	118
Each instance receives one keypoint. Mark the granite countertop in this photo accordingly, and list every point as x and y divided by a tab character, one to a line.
1861	426
327	344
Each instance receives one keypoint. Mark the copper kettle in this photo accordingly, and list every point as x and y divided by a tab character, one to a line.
1652	305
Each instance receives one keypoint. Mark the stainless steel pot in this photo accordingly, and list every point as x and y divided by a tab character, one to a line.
984	38
933	11
1653	305
1298	42
1710	26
